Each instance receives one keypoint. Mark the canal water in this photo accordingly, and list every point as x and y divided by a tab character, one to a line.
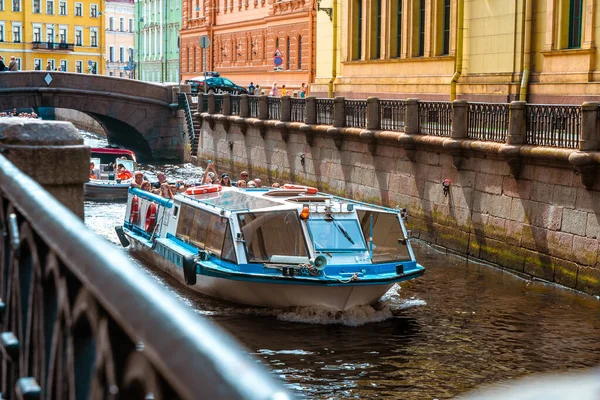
460	326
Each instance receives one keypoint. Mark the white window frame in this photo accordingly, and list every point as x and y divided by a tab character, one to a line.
129	27
79	63
1	5
53	63
92	31
122	53
94	10
60	63
41	66
12	2
96	64
46	9
66	29
37	26
33	6
80	30
80	9
20	27
111	23
52	37
111	53
18	60
60	2
2	31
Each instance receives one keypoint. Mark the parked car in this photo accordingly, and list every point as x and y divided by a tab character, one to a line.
216	83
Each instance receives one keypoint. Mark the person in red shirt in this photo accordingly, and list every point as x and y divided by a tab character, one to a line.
122	173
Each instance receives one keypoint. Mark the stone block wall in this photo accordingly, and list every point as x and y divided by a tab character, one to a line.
544	223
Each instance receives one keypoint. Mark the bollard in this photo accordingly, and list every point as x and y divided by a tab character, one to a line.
373	117
589	127
459	119
50	152
339	112
411	118
310	112
263	107
200	106
286	109
517	128
244	106
226	104
211	103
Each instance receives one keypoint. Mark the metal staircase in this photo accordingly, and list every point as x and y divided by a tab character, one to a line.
184	105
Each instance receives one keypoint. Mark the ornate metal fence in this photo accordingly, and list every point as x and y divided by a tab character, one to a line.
324	111
355	113
218	104
487	121
274	105
235	105
392	113
253	105
80	321
298	108
553	125
435	118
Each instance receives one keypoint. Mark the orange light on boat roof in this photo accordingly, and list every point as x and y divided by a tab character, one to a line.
305	213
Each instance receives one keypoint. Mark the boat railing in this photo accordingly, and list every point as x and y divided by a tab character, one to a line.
80	320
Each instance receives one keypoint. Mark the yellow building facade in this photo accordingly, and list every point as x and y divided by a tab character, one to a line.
66	35
542	51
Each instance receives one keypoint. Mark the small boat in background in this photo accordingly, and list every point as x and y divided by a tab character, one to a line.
269	247
105	183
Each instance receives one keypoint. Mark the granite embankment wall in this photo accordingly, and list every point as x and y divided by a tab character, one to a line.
544	222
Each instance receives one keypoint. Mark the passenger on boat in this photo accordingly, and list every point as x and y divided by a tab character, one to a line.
241	184
258	182
165	191
251	184
92	172
276	185
123	173
209	175
244	175
225	181
138	179
162	178
180	186
146	186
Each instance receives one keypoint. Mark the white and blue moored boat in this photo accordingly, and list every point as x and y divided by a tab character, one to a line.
272	247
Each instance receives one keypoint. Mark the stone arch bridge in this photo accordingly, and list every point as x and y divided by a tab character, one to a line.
138	115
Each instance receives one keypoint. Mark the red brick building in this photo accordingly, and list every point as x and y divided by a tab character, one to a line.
244	37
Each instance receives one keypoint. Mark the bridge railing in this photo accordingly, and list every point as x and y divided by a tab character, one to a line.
80	321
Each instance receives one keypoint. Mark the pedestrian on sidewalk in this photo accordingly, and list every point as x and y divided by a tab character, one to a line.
251	89
273	91
13	66
2	66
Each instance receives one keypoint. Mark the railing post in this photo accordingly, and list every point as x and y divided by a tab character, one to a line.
411	124
200	106
459	119
373	117
211	103
310	112
226	104
517	126
588	140
263	107
244	106
286	109
339	112
50	152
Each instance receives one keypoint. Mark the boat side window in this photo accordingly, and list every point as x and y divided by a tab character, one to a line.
386	230
272	233
204	230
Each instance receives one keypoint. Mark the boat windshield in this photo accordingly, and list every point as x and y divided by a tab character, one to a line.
385	228
272	233
330	234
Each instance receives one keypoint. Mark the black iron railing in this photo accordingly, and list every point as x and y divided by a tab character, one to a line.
435	118
52	46
80	321
274	104
487	121
189	121
355	113
235	105
324	111
253	106
218	104
553	125
298	108
392	114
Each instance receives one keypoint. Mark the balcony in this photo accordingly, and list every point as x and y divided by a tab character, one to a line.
52	46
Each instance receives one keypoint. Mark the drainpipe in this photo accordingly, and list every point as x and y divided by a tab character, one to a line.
526	50
334	49
459	49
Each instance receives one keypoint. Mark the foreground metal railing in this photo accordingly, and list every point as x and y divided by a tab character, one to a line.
235	105
218	104
253	106
435	118
355	113
488	121
80	321
274	106
553	125
392	114
298	107
324	111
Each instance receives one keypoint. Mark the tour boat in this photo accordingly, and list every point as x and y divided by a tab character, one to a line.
276	248
104	183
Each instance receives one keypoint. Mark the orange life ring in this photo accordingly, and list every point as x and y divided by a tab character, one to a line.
134	213
202	189
150	218
308	189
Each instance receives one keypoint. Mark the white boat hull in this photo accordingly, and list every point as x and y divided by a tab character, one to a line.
273	295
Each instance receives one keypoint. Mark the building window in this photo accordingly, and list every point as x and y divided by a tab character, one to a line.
130	25
37	6
122	54
63	65
93	10
37	64
78	9
17	34
18	60
358	31
421	38
1	5
78	66
62	8
376	13
49	34
122	24
575	19
37	34
111	24
111	54
63	35
51	65
1	32
121	74
446	29
78	37
50	7
299	52
16	5
94	39
111	73
287	55
397	29
93	67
